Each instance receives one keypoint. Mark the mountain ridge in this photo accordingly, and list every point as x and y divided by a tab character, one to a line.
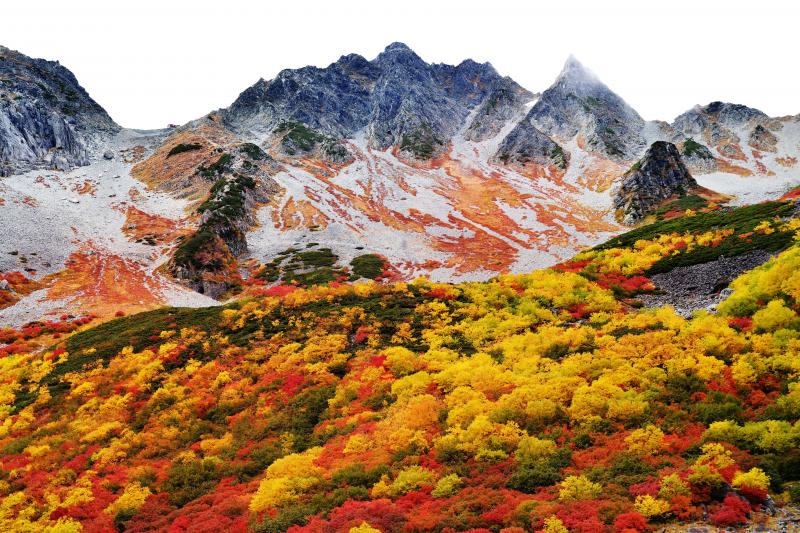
449	171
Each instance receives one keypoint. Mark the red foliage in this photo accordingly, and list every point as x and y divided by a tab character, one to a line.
648	487
277	290
362	333
572	266
581	517
292	383
632	521
381	514
441	293
754	495
743	323
734	511
628	285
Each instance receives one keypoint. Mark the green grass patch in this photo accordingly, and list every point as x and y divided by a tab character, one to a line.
741	220
183	147
368	266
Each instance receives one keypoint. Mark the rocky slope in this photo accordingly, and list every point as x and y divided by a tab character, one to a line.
453	172
658	176
47	120
579	106
395	99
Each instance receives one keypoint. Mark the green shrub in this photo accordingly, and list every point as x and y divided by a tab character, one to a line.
187	481
183	147
368	266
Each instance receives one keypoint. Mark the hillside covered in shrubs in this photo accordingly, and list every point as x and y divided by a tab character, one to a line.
552	401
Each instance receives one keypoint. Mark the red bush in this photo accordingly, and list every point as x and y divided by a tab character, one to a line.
733	512
630	521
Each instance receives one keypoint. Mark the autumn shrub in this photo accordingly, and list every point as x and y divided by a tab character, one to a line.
733	512
528	478
631	521
191	479
357	476
578	488
718	406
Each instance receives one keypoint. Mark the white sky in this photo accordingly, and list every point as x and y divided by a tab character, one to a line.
151	62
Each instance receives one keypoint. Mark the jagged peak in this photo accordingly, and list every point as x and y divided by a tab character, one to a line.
399	53
395	46
718	107
575	71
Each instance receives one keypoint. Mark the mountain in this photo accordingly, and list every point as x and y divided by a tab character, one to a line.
656	177
578	106
47	120
388	168
392	296
396	99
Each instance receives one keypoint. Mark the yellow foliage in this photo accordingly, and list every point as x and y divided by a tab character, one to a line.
575	488
774	316
131	499
409	479
358	443
287	479
649	507
671	486
532	449
553	524
755	478
401	361
648	440
447	486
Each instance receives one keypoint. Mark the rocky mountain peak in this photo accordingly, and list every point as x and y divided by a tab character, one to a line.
397	99
399	54
717	114
579	105
577	76
659	175
46	118
397	46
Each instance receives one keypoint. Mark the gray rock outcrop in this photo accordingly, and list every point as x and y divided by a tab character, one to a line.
47	120
579	103
397	99
659	175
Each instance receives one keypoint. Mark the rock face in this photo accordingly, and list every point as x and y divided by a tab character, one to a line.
506	101
242	180
698	157
659	175
726	126
47	120
579	104
526	144
397	99
718	116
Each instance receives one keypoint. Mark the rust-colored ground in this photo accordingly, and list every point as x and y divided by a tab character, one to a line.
101	283
177	173
141	225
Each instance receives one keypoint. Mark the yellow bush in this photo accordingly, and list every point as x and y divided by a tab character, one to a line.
575	488
287	479
409	479
648	440
755	478
649	507
553	524
447	486
774	316
131	499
